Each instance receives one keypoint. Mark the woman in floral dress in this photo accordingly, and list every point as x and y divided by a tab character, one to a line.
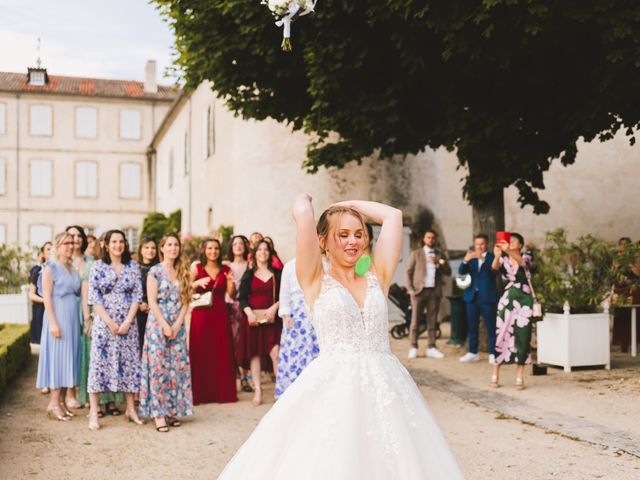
299	343
513	325
165	391
115	291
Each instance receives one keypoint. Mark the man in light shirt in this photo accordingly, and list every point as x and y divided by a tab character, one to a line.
425	268
481	297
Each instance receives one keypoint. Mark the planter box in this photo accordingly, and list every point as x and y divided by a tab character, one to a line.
574	340
14	308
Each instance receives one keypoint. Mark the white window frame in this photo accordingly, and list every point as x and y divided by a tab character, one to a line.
172	167
185	154
46	132
78	194
134	241
80	134
3	118
3	176
40	242
124	134
122	177
31	179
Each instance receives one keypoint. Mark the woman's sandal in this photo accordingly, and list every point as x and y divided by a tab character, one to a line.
162	428
94	426
173	421
113	410
494	381
519	383
244	384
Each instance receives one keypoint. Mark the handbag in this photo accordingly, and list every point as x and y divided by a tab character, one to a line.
201	300
261	313
536	316
463	281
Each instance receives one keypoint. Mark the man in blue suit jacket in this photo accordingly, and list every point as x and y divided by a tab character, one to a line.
481	297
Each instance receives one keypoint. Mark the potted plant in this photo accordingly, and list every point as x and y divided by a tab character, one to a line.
574	281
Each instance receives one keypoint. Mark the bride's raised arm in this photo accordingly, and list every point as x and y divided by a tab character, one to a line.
308	256
389	245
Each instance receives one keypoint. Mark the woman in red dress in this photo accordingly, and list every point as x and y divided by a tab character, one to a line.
259	344
210	339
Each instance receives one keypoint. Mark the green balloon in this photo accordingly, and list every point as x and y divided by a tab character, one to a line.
362	265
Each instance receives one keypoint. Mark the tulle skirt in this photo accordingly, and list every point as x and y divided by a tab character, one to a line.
347	417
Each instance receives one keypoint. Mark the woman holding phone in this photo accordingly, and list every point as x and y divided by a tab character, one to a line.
513	325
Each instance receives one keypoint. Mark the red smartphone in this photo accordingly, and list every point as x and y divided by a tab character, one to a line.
503	237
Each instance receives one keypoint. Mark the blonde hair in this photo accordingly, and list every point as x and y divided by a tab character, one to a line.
325	222
182	268
57	241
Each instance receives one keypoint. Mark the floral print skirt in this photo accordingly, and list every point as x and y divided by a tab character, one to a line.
513	327
165	388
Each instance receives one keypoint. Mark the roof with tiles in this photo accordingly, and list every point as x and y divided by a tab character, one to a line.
86	87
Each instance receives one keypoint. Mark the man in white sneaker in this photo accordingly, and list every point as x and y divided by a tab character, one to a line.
481	297
425	268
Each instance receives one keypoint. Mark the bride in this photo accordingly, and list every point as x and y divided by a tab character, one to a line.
354	413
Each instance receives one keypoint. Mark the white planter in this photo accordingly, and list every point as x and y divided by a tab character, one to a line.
574	340
14	308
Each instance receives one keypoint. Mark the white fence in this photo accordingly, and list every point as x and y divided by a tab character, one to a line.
14	308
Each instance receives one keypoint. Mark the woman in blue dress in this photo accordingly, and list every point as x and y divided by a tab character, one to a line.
115	290
299	344
59	362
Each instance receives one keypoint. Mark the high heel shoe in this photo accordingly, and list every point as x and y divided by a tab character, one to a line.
519	383
93	422
494	381
53	415
132	417
66	411
257	397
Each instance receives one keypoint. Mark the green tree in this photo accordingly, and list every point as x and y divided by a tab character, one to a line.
157	225
510	85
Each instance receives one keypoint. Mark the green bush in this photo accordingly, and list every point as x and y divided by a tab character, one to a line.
14	268
581	272
14	351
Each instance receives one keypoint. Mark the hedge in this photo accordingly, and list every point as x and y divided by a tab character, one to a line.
14	351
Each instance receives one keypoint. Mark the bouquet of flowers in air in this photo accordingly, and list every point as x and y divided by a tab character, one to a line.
285	11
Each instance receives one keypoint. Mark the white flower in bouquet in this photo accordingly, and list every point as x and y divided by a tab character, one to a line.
285	11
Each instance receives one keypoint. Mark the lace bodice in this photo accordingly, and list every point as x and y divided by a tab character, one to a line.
342	327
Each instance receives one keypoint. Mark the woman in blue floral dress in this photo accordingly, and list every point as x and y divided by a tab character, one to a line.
298	344
165	391
115	291
513	323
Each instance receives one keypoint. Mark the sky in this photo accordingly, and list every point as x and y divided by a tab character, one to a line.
85	38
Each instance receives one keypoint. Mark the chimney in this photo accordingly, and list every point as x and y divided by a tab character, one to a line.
150	85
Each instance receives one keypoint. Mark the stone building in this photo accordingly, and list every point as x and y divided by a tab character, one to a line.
223	170
74	151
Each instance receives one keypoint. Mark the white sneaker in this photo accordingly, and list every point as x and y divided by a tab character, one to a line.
492	359
470	357
413	352
433	352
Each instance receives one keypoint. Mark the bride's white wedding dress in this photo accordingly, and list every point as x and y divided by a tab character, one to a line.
355	413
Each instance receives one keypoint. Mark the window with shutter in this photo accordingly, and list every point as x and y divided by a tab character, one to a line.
130	124
87	179
41	178
40	120
130	180
86	122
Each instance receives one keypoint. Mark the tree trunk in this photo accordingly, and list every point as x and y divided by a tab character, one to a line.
488	215
488	218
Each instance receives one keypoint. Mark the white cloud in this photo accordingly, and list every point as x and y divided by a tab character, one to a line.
112	39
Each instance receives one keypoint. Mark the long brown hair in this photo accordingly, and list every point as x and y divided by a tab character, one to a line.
181	266
254	266
323	227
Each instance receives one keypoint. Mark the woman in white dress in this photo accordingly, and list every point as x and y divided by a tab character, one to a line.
355	412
